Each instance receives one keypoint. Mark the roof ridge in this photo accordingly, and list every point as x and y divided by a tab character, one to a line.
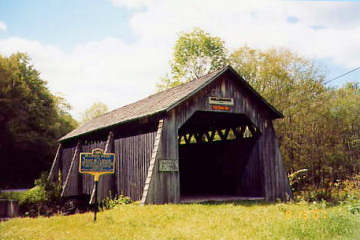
165	90
157	103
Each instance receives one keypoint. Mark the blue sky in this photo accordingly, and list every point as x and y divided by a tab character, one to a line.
115	51
65	23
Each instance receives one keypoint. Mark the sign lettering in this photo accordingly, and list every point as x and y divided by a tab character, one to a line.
168	166
97	162
221	101
222	108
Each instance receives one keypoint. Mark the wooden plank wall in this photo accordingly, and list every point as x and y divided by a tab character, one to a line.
66	157
165	187
133	155
222	87
148	195
133	151
54	171
276	181
259	177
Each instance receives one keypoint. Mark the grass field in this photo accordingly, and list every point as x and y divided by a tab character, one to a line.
239	220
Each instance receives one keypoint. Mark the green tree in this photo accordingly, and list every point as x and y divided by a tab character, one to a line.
294	86
95	110
320	131
31	121
195	54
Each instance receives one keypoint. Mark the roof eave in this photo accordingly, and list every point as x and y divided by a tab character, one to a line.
64	138
175	104
275	112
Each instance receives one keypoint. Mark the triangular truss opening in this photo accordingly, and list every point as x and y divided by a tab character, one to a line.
224	134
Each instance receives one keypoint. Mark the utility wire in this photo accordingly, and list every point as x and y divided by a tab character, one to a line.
342	75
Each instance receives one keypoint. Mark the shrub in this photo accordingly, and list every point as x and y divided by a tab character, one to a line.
42	199
34	195
337	192
296	178
109	202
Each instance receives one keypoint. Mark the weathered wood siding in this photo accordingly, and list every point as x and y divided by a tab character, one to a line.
133	155
66	157
54	171
151	182
133	144
261	178
165	186
276	185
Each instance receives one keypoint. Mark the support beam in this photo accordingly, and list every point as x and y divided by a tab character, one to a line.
179	139
241	131
198	137
210	136
107	181
109	143
226	134
188	138
55	164
254	131
221	134
77	150
152	162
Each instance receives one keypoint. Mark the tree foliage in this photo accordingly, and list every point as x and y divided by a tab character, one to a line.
94	111
195	54
320	128
31	120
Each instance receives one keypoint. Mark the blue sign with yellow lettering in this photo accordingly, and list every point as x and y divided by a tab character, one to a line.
97	162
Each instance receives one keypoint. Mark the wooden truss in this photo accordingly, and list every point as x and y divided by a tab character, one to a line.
223	134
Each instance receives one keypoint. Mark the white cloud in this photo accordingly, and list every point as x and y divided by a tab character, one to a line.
131	3
3	26
118	73
108	71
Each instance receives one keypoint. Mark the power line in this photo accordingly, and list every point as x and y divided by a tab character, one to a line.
326	82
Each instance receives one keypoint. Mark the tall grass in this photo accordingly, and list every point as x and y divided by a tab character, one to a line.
241	220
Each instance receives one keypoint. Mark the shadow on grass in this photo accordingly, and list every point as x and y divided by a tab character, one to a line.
244	203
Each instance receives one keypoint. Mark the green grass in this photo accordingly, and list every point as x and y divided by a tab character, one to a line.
240	220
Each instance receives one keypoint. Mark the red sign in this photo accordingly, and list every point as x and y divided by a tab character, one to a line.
222	108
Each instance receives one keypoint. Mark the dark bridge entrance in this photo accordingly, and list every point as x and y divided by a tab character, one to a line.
214	150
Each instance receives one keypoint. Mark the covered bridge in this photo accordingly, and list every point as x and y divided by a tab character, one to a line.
211	137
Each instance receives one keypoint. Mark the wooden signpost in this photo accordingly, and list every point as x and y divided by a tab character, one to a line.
97	163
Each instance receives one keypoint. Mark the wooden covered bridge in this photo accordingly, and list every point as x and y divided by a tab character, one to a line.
211	137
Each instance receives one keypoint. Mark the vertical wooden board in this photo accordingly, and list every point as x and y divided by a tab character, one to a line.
70	185
66	156
243	102
152	188
252	179
283	190
54	171
107	181
164	187
134	154
276	182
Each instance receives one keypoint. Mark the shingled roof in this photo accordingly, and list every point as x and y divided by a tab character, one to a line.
157	103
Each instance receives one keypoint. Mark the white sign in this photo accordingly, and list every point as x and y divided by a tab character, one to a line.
221	101
168	166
